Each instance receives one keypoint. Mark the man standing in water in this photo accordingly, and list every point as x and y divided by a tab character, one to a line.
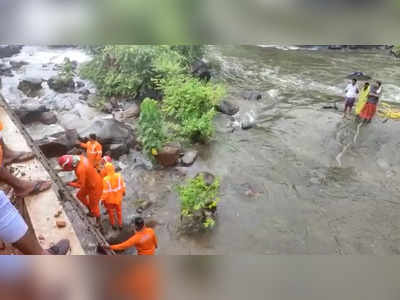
350	97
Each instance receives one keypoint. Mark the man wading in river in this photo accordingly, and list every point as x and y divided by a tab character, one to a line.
350	97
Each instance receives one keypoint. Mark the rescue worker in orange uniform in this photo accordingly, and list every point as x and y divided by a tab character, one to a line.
88	182
94	150
113	192
144	240
101	167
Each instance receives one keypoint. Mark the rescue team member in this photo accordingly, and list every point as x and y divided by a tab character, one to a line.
144	240
101	167
21	187
88	182
94	150
113	192
15	231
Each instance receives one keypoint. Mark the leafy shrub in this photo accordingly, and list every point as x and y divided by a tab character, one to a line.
150	126
121	70
396	50
191	53
67	70
199	201
190	103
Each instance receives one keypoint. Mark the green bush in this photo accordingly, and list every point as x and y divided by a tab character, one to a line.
190	103
120	70
396	50
199	200
150	126
67	70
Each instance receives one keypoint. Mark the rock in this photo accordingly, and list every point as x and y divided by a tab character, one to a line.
92	100
5	70
30	86
48	118
41	237
83	97
146	92
168	156
84	91
17	64
201	70
252	95
227	108
189	157
117	150
30	113
61	84
107	108
79	84
57	214
132	111
145	205
58	144
9	50
61	224
208	177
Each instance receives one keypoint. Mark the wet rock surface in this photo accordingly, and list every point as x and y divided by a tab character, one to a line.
9	50
189	157
30	86
58	144
61	84
227	108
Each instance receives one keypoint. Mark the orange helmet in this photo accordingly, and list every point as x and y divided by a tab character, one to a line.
67	162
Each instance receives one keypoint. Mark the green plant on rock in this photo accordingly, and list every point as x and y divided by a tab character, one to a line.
190	103
199	200
151	127
67	70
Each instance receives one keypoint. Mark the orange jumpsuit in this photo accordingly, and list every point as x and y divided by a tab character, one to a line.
90	185
94	152
145	242
113	192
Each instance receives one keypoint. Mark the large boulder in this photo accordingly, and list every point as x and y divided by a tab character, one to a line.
58	144
30	86
201	70
9	50
189	157
61	84
169	155
112	134
227	108
35	113
132	111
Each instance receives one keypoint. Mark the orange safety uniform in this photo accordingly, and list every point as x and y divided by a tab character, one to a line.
113	192
145	242
94	152
90	185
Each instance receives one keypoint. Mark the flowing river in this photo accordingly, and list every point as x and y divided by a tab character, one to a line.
301	181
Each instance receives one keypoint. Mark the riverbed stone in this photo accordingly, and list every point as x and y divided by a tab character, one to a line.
252	95
117	150
48	118
30	86
61	84
132	111
17	64
84	91
58	144
227	108
5	70
168	156
189	157
107	108
9	50
30	113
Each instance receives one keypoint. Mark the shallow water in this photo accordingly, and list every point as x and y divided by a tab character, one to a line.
283	188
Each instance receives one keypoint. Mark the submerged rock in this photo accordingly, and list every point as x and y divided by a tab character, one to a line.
189	157
58	144
252	95
61	84
30	86
35	113
9	50
227	108
168	156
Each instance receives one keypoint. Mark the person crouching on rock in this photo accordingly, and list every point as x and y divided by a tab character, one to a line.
113	192
88	181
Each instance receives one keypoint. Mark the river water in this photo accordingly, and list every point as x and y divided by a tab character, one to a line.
295	183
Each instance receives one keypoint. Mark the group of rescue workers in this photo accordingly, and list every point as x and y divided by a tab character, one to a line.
97	182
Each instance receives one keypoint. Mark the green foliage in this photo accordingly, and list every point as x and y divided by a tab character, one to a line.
396	50
190	103
150	126
67	70
191	53
120	70
197	196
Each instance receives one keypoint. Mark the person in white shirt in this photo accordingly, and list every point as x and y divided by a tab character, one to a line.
350	97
